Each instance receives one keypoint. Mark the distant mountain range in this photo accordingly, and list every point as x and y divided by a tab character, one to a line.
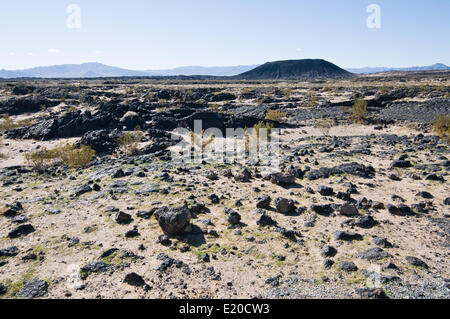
96	70
285	70
368	70
201	70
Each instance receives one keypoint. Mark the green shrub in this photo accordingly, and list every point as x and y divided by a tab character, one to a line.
79	157
67	154
214	107
8	123
359	111
129	142
275	115
195	141
312	100
324	125
2	155
441	125
287	92
262	125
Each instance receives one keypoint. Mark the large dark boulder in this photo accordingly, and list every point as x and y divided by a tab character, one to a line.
284	205
76	124
280	179
208	119
374	254
45	130
101	141
21	230
163	123
173	221
33	288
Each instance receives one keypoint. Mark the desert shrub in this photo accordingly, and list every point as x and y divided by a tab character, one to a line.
262	125
287	92
359	111
324	125
72	109
214	107
312	100
79	157
254	135
64	154
441	125
200	140
7	123
275	115
2	155
129	142
384	90
208	142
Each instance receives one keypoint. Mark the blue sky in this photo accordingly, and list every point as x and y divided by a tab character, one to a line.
151	34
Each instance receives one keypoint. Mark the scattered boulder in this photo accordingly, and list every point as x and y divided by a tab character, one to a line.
400	164
233	217
263	202
3	289
324	210
328	251
381	241
266	220
347	266
365	222
401	210
9	252
211	175
243	176
94	267
33	288
325	191
173	221
83	189
328	263
134	279
281	179
425	195
21	230
12	210
434	177
348	210
101	141
374	254
284	206
146	214
123	218
346	236
132	233
414	261
371	293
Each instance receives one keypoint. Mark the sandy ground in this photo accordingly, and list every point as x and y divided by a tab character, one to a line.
250	258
